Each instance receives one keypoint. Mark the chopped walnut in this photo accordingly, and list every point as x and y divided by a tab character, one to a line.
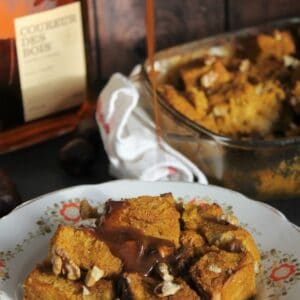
259	90
290	61
245	65
93	276
166	288
85	291
87	211
229	218
209	79
220	111
214	268
222	238
62	264
256	267
164	272
57	264
72	270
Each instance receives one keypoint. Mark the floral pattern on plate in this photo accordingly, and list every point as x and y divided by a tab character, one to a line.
280	269
63	212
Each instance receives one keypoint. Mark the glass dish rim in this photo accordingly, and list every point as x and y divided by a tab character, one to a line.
229	141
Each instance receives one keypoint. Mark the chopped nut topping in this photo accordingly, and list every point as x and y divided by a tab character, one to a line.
209	79
85	291
87	211
214	268
72	270
235	246
57	264
290	61
61	264
166	288
220	111
259	89
164	272
245	65
221	239
229	218
93	276
256	267
295	101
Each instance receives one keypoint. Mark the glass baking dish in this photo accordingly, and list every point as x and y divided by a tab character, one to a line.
261	169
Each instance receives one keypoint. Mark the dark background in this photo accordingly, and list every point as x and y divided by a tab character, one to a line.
117	30
117	36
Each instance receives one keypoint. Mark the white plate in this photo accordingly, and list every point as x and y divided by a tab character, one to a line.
25	233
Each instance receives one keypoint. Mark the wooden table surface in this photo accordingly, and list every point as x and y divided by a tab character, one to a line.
36	171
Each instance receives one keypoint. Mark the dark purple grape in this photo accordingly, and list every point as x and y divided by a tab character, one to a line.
88	130
9	196
77	156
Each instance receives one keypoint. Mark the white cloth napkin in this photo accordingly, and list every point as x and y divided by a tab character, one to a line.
130	141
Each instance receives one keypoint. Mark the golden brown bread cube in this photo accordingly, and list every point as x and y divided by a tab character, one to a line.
190	239
141	288
279	44
193	245
190	75
231	238
84	249
195	215
209	74
42	284
223	275
179	102
154	216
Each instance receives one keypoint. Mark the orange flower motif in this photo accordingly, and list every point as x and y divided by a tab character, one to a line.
282	272
70	212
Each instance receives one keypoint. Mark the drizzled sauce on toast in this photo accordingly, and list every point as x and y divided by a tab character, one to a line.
138	252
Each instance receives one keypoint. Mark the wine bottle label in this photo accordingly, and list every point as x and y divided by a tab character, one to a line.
51	60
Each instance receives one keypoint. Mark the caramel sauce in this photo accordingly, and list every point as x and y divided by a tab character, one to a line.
138	252
150	34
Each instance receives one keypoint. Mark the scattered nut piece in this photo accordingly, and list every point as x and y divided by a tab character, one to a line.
236	246
87	211
164	272
256	267
259	90
220	110
166	288
57	264
93	276
61	264
229	218
209	79
85	291
221	239
295	101
290	61
245	65
214	268
72	270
